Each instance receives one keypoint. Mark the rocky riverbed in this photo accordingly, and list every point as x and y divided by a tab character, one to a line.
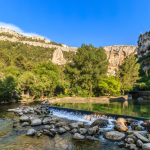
41	121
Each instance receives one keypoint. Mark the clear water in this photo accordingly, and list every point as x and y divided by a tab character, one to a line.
16	138
131	108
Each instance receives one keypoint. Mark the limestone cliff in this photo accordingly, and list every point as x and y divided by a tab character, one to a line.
116	55
144	50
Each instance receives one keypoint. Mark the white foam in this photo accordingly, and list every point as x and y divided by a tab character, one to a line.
88	119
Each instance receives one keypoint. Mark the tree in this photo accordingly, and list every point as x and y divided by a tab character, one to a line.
20	61
110	85
89	65
48	76
4	59
129	73
7	85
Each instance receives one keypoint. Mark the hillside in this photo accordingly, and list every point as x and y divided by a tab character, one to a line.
39	49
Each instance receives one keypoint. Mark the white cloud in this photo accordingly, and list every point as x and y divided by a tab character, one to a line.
17	29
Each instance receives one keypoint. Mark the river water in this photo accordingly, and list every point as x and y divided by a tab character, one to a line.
16	139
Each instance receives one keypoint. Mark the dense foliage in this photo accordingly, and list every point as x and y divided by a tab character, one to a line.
89	66
26	67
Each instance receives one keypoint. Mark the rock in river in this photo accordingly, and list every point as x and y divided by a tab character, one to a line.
114	136
78	136
146	146
142	138
100	122
31	132
61	130
24	118
36	122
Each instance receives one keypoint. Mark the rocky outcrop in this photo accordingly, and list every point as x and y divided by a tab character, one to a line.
144	50
58	57
116	55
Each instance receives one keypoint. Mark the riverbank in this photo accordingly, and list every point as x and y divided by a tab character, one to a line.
78	99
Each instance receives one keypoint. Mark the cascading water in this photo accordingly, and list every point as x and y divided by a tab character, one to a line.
87	119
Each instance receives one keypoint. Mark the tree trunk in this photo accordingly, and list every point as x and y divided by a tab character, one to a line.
33	97
90	90
41	98
123	92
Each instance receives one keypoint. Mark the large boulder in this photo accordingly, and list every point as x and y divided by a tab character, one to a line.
121	128
24	118
100	122
36	122
31	132
114	136
122	121
146	146
78	136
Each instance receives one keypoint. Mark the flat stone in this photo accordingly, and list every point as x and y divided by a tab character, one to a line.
142	138
78	136
114	136
90	138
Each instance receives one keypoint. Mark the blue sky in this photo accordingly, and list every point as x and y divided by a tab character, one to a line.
73	22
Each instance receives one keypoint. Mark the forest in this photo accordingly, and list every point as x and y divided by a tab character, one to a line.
23	66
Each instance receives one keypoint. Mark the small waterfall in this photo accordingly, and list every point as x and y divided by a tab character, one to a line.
77	116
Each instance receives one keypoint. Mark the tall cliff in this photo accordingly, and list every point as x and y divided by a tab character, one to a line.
116	55
144	50
63	53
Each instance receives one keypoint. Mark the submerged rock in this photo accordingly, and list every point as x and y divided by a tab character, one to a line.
31	132
78	136
114	136
90	138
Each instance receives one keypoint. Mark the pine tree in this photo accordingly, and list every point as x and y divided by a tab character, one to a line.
129	73
89	66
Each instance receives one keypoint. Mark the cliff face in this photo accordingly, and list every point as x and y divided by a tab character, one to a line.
115	54
144	50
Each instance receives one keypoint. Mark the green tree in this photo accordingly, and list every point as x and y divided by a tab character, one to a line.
20	61
48	76
110	85
4	60
89	65
129	73
7	86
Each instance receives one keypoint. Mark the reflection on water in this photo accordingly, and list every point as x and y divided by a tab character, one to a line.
131	108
